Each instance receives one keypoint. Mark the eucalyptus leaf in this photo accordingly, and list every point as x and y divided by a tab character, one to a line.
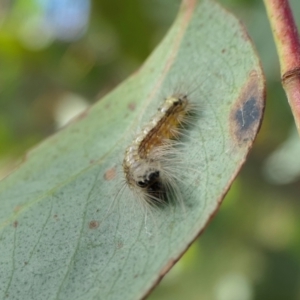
72	229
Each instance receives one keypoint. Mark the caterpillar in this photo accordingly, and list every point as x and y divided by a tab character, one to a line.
150	161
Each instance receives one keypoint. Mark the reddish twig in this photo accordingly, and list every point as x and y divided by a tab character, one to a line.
287	41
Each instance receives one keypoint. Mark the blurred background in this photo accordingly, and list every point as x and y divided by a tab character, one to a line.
59	56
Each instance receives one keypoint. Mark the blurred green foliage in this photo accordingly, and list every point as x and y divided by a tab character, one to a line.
251	250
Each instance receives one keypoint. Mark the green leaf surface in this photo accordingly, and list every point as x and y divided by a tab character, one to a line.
70	229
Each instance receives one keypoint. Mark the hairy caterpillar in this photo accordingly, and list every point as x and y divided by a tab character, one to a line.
151	161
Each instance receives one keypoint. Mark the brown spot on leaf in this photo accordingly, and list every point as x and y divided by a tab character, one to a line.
246	114
131	106
17	208
15	224
93	224
110	174
120	244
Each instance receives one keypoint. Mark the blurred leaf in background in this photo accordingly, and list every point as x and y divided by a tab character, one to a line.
52	69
